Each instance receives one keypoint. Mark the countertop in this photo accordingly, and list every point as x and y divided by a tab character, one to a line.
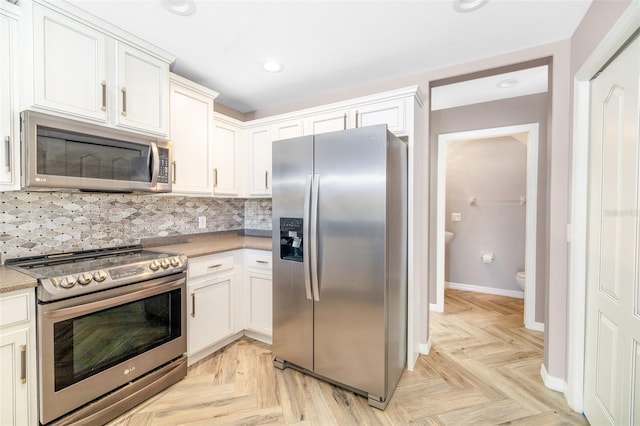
190	245
206	244
11	280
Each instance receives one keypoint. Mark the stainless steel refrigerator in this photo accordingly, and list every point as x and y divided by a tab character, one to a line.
340	258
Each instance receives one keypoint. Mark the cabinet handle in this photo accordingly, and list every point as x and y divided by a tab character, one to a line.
215	178
193	305
23	364
124	101
104	95
264	262
356	119
7	159
344	121
266	179
175	168
217	265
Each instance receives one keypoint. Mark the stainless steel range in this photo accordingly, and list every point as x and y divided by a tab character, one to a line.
111	330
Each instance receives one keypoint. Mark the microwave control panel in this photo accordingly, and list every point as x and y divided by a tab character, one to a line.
163	173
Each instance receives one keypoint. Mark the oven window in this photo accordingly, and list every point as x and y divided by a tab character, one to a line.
69	154
87	345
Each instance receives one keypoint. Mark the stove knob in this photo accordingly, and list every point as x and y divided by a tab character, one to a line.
164	263
154	266
85	278
174	261
68	281
100	276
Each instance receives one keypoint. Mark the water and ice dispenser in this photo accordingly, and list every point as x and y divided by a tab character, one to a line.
291	247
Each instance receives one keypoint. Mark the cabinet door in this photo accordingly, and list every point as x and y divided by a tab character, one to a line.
143	90
225	158
209	312
259	309
260	162
390	113
69	65
286	130
14	404
191	134
8	139
328	122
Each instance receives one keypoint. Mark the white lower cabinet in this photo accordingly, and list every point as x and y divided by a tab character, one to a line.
213	291
258	295
228	295
17	359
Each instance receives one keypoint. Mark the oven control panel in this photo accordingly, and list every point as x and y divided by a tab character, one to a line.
73	284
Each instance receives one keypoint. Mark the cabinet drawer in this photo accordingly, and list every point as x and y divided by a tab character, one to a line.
14	309
209	265
259	260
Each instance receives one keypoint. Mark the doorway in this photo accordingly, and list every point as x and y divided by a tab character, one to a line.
529	133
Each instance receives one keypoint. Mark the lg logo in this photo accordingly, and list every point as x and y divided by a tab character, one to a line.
129	370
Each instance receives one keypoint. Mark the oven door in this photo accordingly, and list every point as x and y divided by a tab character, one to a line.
93	344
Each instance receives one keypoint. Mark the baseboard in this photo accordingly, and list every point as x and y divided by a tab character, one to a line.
425	348
553	383
434	307
488	290
535	326
203	353
264	338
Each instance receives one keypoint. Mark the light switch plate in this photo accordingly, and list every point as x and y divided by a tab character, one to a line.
202	222
456	217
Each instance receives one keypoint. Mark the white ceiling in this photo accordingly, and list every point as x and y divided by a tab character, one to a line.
329	46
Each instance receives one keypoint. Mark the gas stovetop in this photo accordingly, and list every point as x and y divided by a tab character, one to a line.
64	275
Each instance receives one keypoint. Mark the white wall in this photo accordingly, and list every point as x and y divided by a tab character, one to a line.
493	171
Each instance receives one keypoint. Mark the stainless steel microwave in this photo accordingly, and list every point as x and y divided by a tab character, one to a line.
63	153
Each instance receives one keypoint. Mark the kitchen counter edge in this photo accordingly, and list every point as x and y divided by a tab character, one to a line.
205	247
11	280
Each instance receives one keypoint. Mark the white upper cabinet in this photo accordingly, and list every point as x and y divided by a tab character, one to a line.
259	161
70	72
88	70
143	84
391	113
9	131
286	130
226	151
192	134
328	122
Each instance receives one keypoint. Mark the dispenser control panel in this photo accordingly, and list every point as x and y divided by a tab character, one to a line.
291	244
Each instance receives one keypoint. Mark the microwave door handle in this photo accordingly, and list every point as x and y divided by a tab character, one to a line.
154	165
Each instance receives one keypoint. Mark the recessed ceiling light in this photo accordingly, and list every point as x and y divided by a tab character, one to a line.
468	5
272	66
509	82
179	7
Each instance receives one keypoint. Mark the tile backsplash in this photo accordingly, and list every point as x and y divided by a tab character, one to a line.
34	223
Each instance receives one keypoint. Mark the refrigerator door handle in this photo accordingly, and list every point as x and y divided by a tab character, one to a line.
306	259
314	237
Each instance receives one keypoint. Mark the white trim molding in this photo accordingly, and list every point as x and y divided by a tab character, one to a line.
484	289
553	383
425	348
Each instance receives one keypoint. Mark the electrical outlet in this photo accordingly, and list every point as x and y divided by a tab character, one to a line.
456	217
202	222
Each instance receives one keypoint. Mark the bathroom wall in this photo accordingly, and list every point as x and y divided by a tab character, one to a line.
34	223
493	171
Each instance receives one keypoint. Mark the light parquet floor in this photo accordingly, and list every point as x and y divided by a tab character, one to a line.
483	369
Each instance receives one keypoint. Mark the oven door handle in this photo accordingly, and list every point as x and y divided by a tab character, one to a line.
109	302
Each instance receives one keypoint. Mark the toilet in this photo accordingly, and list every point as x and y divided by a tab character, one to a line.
520	279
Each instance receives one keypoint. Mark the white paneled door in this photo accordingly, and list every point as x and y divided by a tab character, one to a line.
612	354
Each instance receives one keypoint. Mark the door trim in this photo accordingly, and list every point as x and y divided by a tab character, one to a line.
576	344
531	212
